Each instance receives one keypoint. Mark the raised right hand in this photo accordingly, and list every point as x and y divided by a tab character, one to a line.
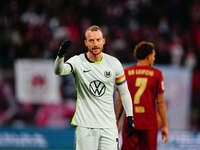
63	48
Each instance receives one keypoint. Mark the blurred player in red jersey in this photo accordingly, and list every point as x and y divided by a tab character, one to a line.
146	87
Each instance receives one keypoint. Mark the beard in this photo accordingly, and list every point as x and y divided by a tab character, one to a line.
96	51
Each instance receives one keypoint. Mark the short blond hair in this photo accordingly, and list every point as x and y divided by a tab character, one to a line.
93	28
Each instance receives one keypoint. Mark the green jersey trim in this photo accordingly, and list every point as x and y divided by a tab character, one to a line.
72	122
99	62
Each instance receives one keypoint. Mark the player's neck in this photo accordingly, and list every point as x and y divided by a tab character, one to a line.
143	63
94	58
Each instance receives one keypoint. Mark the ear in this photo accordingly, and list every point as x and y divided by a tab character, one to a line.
85	42
148	57
104	41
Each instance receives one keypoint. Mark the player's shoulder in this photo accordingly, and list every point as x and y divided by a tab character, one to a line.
111	58
108	56
156	70
78	57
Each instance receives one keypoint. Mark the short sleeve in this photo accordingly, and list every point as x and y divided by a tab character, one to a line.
160	83
72	62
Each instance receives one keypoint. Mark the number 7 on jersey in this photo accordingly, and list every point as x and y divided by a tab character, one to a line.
142	84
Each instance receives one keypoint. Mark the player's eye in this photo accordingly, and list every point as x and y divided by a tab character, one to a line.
91	41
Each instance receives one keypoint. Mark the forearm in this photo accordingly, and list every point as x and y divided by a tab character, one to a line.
119	108
61	68
162	110
126	99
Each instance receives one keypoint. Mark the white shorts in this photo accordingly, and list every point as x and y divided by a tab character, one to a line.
96	138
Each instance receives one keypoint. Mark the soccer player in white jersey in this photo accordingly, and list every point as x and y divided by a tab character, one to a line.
96	74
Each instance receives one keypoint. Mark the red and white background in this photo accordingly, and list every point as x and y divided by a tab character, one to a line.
36	82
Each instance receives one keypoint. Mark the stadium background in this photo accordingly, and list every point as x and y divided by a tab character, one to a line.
36	106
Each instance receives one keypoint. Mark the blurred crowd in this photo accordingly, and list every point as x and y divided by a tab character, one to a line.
35	28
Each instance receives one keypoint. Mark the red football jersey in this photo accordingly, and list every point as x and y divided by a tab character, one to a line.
144	84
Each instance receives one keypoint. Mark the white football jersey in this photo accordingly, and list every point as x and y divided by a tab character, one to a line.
95	82
95	86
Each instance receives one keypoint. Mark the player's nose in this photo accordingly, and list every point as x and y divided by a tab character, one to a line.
95	43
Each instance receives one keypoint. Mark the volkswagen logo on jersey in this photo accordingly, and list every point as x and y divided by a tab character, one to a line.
97	88
107	74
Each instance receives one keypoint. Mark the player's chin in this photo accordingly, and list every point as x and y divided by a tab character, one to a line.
96	51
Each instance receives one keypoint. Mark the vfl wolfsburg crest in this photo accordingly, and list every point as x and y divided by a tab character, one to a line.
97	88
107	74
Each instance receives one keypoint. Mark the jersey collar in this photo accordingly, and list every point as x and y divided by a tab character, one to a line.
98	62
